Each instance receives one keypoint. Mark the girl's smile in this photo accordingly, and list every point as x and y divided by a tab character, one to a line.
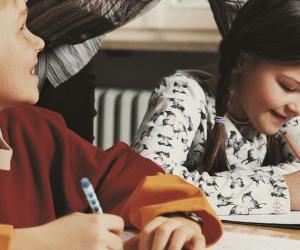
279	117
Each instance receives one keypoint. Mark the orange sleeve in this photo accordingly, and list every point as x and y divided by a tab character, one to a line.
160	194
6	232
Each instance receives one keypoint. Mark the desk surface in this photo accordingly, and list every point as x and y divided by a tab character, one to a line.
264	231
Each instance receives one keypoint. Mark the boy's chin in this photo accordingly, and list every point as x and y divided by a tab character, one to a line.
32	100
19	103
35	98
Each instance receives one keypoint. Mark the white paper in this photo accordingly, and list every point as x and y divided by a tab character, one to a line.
292	218
241	241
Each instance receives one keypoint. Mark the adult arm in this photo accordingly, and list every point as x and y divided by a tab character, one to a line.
74	21
82	22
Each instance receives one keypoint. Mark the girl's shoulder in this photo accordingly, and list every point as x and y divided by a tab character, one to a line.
185	84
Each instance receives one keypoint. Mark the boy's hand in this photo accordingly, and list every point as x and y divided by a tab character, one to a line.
76	231
168	233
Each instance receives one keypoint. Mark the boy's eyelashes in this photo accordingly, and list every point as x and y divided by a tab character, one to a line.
24	23
23	27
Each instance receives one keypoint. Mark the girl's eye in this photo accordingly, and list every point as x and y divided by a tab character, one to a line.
287	88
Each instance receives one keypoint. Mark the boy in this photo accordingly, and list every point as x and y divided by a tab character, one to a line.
42	162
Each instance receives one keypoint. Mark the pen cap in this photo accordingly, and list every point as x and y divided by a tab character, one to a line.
90	195
85	183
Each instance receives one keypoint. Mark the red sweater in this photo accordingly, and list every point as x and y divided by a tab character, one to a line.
49	160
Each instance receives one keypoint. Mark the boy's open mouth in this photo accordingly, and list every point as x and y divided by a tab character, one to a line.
32	71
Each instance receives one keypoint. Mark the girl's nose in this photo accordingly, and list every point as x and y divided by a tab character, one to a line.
292	110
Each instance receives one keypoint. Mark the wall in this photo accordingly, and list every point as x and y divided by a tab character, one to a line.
143	69
169	27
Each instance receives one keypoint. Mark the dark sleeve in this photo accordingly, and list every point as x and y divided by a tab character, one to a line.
115	173
64	22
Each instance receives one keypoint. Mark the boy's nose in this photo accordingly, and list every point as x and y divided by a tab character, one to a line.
39	44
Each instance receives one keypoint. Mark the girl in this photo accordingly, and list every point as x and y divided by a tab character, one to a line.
42	163
224	133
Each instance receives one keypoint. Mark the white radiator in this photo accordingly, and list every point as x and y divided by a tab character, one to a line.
119	114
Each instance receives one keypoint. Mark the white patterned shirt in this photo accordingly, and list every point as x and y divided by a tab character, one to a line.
174	133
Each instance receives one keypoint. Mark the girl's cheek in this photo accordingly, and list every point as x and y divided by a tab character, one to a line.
274	99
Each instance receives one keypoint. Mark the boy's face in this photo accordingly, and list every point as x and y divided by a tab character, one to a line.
18	56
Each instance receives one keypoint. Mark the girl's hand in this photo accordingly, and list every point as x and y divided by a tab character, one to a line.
168	233
77	231
293	183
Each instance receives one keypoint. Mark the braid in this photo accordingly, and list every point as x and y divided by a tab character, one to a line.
215	158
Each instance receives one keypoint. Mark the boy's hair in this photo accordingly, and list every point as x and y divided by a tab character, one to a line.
269	30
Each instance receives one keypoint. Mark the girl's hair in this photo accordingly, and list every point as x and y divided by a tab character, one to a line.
267	29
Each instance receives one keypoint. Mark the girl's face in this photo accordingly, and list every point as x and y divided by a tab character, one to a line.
267	94
18	56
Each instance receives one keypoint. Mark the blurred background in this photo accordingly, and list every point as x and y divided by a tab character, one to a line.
175	34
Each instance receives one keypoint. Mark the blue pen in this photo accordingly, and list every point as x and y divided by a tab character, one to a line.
90	195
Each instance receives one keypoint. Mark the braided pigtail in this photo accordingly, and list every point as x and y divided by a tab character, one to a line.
215	158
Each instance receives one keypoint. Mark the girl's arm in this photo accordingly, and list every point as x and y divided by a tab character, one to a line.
293	183
172	120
